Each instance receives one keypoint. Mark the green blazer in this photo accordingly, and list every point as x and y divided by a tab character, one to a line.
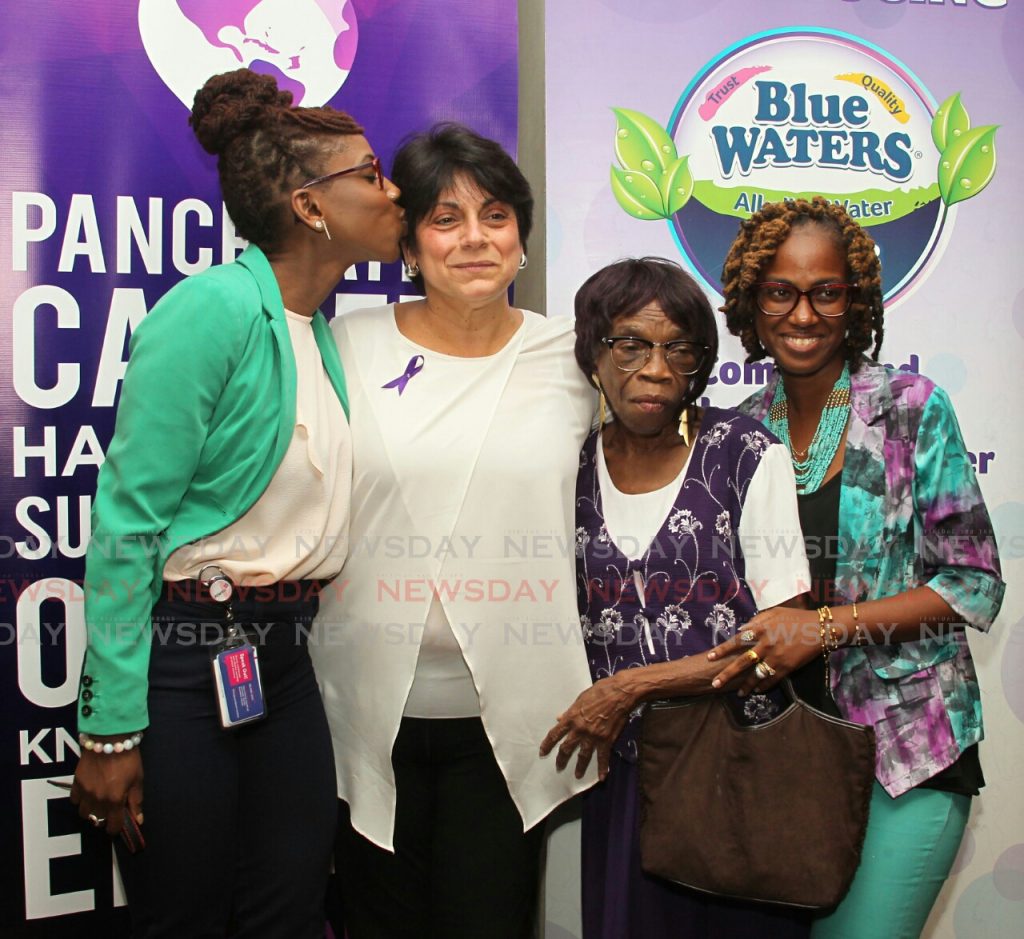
207	412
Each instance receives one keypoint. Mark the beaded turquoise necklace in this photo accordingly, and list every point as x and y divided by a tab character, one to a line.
811	470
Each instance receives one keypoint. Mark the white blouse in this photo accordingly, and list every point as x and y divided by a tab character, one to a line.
769	532
463	490
298	528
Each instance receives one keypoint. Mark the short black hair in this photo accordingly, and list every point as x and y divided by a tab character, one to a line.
629	285
426	165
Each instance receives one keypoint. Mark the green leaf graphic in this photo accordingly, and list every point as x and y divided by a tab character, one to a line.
677	185
968	164
637	193
950	122
641	143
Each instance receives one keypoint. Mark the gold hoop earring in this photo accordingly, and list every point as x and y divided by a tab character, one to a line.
522	262
411	270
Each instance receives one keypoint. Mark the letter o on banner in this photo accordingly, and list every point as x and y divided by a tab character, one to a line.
32	634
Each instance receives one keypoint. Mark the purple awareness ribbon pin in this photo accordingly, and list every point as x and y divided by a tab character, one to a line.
414	367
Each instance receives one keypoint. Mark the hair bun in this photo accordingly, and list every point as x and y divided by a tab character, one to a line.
232	104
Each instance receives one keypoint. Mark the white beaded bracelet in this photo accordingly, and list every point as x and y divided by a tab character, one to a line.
122	746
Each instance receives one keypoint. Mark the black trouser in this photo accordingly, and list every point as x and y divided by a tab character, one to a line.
463	868
238	823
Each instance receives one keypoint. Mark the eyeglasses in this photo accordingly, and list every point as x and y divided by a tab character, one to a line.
375	163
774	299
631	354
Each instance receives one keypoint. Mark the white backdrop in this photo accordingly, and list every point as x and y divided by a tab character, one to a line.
960	320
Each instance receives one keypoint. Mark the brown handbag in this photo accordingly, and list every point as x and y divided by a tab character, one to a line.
773	812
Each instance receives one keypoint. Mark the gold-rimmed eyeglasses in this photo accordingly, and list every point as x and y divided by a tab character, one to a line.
630	354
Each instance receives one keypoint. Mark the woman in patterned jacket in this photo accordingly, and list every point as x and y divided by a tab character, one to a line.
884	476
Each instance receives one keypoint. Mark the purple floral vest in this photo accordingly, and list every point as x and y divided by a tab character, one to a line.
691	577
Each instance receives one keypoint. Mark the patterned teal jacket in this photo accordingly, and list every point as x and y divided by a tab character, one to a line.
910	514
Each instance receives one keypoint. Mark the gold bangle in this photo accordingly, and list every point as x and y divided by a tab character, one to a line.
860	635
824	625
830	635
823	614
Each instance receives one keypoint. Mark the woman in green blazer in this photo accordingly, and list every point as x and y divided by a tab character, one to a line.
216	523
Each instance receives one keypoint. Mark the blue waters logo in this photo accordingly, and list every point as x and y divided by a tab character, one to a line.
801	112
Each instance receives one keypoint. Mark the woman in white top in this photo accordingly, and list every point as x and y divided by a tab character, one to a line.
453	637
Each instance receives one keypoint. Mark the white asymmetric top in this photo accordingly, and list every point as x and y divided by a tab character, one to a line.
463	490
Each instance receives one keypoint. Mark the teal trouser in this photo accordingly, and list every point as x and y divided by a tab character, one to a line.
909	848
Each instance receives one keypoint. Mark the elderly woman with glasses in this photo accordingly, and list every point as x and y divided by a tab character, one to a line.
676	505
454	640
882	472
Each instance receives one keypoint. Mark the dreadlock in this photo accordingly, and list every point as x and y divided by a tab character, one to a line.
760	237
265	147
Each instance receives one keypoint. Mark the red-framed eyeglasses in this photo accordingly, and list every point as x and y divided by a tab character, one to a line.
374	163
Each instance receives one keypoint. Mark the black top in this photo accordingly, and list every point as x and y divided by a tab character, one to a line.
819	520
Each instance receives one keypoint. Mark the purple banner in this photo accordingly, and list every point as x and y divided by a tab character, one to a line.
108	201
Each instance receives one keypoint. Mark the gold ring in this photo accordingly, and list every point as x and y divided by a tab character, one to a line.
753	656
748	636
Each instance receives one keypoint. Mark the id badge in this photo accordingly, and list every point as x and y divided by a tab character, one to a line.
236	673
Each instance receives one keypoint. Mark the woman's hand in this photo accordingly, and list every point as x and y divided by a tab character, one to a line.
784	638
597	716
106	785
592	724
